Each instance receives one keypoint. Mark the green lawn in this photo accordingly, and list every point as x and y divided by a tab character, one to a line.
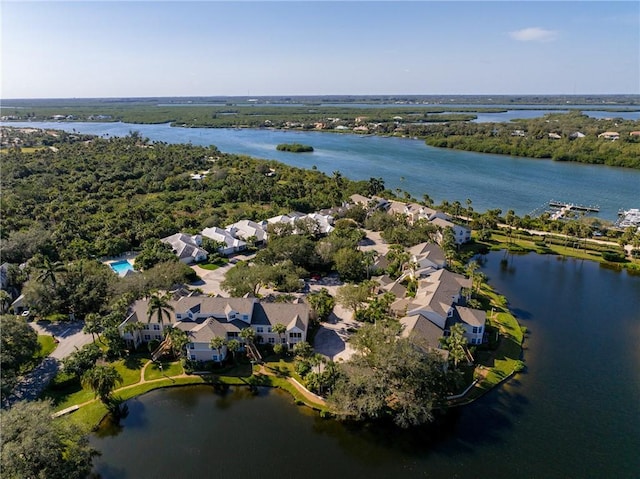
47	346
214	265
168	369
129	369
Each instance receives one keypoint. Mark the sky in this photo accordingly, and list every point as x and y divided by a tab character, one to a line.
83	49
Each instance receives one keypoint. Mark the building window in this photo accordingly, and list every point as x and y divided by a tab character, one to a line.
193	357
272	340
268	329
295	335
259	329
232	335
146	326
157	336
147	337
475	330
245	317
156	327
284	340
214	357
192	346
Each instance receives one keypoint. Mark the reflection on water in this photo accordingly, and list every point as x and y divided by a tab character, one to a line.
580	392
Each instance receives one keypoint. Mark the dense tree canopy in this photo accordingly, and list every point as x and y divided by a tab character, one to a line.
18	344
389	378
38	447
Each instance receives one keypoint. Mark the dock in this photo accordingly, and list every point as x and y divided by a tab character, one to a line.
574	207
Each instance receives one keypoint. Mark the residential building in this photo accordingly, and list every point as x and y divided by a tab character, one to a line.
205	317
186	247
231	244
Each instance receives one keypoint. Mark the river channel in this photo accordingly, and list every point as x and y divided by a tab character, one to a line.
574	412
490	181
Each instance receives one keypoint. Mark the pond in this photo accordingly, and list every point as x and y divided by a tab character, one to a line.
574	412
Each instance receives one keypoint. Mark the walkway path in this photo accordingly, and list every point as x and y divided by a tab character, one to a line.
313	398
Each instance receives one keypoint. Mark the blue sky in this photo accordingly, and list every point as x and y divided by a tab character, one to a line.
160	48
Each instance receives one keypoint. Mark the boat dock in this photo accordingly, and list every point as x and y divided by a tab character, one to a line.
629	218
572	206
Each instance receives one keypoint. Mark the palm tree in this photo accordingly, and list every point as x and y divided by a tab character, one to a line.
248	335
159	305
280	329
179	340
49	270
233	345
216	343
5	300
92	325
456	344
102	380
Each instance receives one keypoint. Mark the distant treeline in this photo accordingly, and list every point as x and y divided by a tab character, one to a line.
555	136
102	197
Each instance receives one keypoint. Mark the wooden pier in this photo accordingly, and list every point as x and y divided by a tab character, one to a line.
572	206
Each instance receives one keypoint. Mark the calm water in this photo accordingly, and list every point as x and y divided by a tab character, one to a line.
575	413
490	181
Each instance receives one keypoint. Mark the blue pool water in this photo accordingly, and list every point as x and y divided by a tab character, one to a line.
121	267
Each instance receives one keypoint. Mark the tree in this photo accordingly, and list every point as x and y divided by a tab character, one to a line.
353	296
302	350
234	346
36	446
5	301
160	307
154	252
102	380
245	278
81	360
18	344
217	342
350	264
448	243
248	335
179	341
456	344
388	378
50	270
322	303
279	329
92	325
375	186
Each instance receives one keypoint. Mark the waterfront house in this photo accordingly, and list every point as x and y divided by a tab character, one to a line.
186	247
461	233
440	300
205	317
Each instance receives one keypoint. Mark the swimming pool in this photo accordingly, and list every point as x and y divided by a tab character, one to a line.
121	267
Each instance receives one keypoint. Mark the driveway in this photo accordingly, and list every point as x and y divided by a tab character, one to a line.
70	337
69	334
210	280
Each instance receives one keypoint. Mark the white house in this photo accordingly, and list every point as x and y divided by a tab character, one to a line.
461	233
426	258
231	244
186	247
245	229
205	317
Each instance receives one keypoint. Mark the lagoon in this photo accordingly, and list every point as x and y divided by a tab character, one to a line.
490	181
575	412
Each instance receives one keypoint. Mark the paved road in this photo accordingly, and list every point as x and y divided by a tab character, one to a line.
70	337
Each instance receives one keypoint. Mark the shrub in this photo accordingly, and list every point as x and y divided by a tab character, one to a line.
613	256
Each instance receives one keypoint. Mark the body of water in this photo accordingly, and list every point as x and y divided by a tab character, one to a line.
490	181
574	413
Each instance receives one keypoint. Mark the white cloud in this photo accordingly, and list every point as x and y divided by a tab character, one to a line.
534	34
